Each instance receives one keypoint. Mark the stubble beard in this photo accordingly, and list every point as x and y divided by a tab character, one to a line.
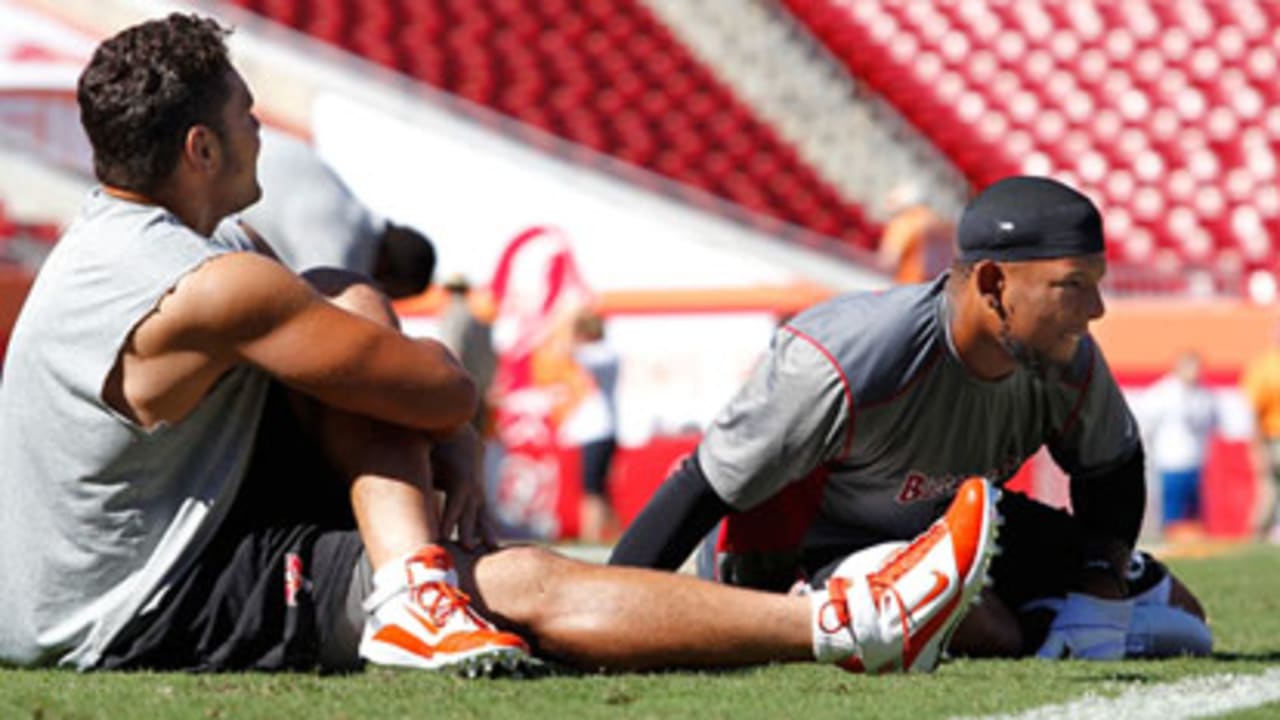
1027	357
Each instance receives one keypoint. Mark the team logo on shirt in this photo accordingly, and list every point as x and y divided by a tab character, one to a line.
294	581
919	487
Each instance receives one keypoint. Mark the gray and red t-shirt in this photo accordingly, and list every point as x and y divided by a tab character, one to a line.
862	421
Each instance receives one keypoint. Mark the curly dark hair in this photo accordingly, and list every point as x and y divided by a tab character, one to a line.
144	88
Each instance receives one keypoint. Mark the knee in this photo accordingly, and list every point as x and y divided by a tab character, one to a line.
527	564
518	583
354	293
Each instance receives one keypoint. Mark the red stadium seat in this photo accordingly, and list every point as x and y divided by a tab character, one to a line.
1145	103
606	75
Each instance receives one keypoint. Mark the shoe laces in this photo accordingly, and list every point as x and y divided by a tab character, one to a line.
446	601
838	599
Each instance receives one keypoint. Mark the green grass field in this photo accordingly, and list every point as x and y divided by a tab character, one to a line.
1241	591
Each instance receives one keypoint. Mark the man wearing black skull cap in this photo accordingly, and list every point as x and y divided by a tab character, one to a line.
872	408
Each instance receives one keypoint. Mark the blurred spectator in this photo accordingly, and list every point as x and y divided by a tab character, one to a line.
1261	383
471	340
593	426
310	218
1178	416
538	291
917	243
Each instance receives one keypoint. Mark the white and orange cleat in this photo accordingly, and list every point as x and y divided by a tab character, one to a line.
894	606
424	621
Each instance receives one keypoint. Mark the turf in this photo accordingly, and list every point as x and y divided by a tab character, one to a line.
1241	591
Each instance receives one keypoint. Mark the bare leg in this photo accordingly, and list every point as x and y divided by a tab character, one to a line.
598	616
389	467
391	493
596	519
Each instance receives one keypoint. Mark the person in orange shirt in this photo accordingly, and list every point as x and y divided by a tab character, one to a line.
1261	384
916	244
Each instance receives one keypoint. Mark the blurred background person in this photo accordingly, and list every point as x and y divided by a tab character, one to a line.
916	243
1261	385
538	291
310	218
594	426
1178	416
471	340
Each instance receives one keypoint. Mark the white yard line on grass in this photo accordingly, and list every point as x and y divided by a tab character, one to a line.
1196	697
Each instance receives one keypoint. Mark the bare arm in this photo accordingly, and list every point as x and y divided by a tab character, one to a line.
244	308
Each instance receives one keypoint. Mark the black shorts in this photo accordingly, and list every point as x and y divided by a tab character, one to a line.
1043	552
274	588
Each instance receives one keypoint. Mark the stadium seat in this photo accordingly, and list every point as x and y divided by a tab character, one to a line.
605	75
1145	104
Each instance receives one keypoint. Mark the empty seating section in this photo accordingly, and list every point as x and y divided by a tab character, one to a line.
1165	111
601	73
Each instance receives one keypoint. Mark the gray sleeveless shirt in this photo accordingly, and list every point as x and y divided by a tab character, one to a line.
98	514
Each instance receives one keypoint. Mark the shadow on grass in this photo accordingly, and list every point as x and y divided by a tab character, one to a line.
1120	677
1269	656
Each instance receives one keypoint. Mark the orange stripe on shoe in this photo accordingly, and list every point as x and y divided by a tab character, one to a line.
461	642
458	642
904	559
405	640
940	585
921	639
966	525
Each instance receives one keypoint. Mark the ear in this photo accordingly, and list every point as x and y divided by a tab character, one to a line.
990	278
202	149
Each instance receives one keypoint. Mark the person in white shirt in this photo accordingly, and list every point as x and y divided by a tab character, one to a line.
1179	417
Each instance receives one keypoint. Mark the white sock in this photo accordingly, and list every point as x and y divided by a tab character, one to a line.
833	640
393	578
